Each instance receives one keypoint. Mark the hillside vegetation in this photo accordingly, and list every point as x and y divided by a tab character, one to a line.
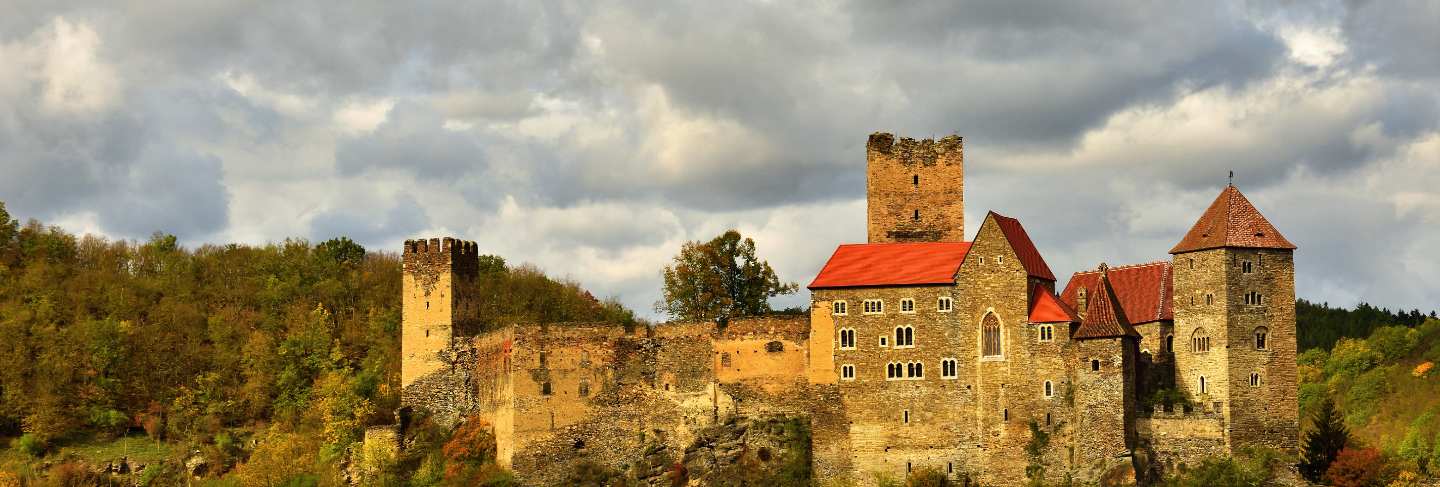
266	360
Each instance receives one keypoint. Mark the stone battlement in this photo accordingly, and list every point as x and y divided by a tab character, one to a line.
925	152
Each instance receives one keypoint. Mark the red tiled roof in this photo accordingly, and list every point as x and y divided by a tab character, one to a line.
1146	291
1231	221
1024	248
1104	317
1046	308
892	264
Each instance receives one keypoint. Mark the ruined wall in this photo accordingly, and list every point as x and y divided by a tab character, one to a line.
906	176
1175	440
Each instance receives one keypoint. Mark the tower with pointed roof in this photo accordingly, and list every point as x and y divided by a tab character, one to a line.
1234	309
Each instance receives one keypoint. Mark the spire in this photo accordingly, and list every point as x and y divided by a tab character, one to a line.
1231	221
1104	318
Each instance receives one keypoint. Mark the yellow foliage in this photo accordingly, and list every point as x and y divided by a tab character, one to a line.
1405	479
280	457
1422	369
8	479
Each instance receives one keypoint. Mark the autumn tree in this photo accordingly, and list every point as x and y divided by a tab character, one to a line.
1322	444
719	280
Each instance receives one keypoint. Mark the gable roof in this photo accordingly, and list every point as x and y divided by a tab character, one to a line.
1046	308
1146	291
892	264
1231	221
1104	317
1024	248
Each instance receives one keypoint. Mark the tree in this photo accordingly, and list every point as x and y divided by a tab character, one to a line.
341	250
1327	436
1357	468
719	280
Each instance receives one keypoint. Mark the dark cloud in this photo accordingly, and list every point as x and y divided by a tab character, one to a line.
370	226
1398	36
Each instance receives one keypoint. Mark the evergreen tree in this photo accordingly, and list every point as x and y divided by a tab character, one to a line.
1327	436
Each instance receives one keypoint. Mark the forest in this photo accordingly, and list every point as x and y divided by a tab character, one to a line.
253	365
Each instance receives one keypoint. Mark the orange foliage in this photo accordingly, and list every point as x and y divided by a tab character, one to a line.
1357	468
470	453
1421	369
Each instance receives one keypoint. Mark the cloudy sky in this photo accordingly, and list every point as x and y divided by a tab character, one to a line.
593	138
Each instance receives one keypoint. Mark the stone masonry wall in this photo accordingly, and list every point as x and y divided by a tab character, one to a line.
1198	274
1266	413
907	175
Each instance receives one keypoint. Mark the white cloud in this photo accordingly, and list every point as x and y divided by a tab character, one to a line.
357	117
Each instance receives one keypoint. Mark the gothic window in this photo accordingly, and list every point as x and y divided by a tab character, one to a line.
944	305
1049	389
1047	333
847	372
949	368
774	347
847	339
909	369
907	305
1254	379
1261	334
838	308
892	370
990	336
1199	341
919	370
874	306
904	336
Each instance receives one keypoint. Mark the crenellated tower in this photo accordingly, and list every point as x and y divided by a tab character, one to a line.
915	189
1234	342
439	304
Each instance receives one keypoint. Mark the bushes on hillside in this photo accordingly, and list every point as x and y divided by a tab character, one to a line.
1350	358
1364	467
1363	398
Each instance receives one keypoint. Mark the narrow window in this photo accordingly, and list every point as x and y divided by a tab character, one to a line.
1254	379
919	370
944	305
1047	333
1192	263
906	418
990	336
1047	419
916	179
1095	365
427	305
909	336
1170	343
847	372
1049	390
949	467
545	388
910	370
1202	385
982	260
1261	334
427	333
1209	299
907	305
1247	267
584	387
999	260
1005	413
917	215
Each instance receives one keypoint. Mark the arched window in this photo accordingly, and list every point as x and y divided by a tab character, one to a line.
1254	379
1049	389
1203	390
1199	341
1261	336
904	336
990	336
919	370
847	339
1170	343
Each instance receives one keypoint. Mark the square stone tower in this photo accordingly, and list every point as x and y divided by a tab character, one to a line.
915	189
439	304
1235	341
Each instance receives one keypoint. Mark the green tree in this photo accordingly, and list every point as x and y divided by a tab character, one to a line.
719	280
8	230
1327	436
341	250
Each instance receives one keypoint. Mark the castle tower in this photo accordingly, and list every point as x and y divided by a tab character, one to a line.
915	189
439	304
1234	329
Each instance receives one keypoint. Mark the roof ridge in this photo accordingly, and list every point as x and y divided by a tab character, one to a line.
1160	305
1126	266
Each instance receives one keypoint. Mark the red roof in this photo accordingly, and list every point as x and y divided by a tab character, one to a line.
892	264
1046	308
1231	221
1104	317
1024	248
1146	291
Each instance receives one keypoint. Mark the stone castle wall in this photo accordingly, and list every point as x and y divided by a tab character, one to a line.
905	176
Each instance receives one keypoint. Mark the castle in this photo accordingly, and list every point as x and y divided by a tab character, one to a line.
921	350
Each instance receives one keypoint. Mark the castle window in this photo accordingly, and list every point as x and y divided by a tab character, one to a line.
838	308
725	359
847	339
542	359
1192	263
874	306
1253	297
919	371
427	305
774	347
917	215
1261	334
884	341
1170	343
982	260
1047	333
949	368
584	387
1199	341
999	260
1049	390
904	336
944	305
1203	390
916	179
1095	365
892	371
990	336
1005	414
909	369
1254	379
545	388
1209	299
1247	267
427	333
847	372
907	305
1047	419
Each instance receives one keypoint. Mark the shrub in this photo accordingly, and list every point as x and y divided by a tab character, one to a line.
1393	342
1363	398
30	445
1222	471
591	474
1315	357
1350	358
1357	468
1417	445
